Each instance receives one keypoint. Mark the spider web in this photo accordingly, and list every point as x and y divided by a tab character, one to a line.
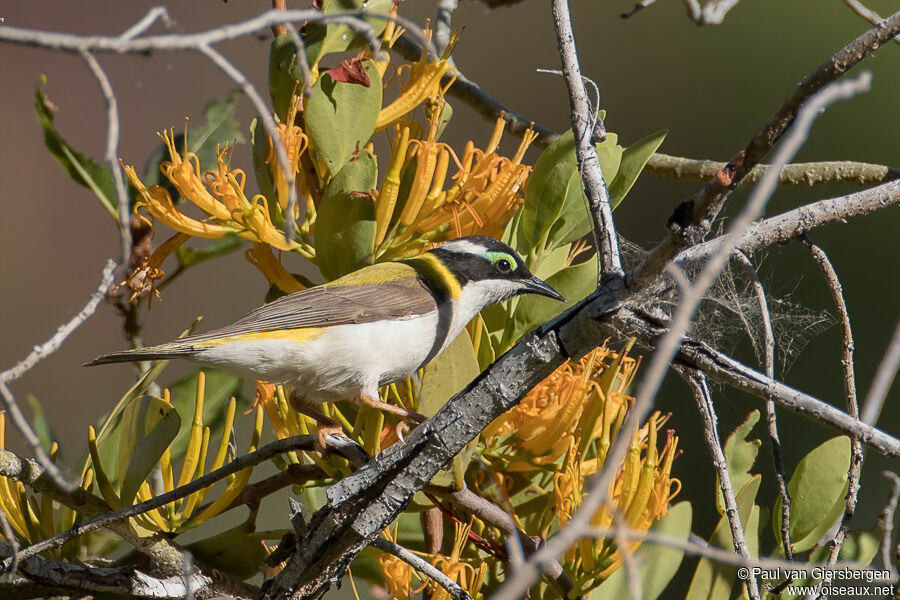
729	314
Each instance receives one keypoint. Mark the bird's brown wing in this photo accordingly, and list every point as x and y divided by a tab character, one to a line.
393	292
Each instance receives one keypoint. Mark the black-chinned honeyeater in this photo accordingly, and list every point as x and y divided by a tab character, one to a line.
348	337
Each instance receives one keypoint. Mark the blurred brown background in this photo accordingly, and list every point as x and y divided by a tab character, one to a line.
711	87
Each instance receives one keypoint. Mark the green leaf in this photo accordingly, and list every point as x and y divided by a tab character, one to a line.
740	454
817	489
712	580
148	426
285	74
859	546
556	209
259	140
657	564
574	283
340	117
39	423
345	225
322	38
220	128
451	371
188	257
80	168
237	551
633	160
220	387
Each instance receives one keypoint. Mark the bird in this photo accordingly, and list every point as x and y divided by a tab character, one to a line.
348	337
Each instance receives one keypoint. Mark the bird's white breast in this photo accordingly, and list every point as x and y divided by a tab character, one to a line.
340	362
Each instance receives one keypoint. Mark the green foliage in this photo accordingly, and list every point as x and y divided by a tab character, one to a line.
817	489
220	387
340	117
39	423
634	158
556	208
220	128
237	551
740	454
321	39
147	427
345	229
82	169
713	580
657	564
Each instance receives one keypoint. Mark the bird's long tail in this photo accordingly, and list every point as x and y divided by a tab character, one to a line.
161	352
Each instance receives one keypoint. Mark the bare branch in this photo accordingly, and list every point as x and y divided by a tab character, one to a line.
583	121
867	13
691	221
788	225
112	155
720	367
771	418
796	174
849	378
887	515
39	353
195	41
442	21
158	13
422	566
164	554
712	13
108	518
884	378
703	397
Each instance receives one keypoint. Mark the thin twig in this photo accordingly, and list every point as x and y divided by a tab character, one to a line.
187	574
867	13
887	515
771	418
632	574
300	54
703	550
583	121
712	13
65	330
703	397
787	226
520	544
422	566
157	13
600	482
299	442
13	543
884	378
692	220
39	353
849	379
795	174
722	368
270	126
112	155
442	20
70	42
668	347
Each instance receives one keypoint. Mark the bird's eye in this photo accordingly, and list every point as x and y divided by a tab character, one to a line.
503	266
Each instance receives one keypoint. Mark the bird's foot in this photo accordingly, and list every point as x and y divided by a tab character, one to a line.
323	430
394	410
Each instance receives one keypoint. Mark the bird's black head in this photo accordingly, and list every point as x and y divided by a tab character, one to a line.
491	269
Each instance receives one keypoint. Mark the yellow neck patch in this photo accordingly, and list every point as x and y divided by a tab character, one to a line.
436	274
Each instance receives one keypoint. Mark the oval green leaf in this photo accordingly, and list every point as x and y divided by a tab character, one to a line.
147	428
345	225
817	490
340	117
